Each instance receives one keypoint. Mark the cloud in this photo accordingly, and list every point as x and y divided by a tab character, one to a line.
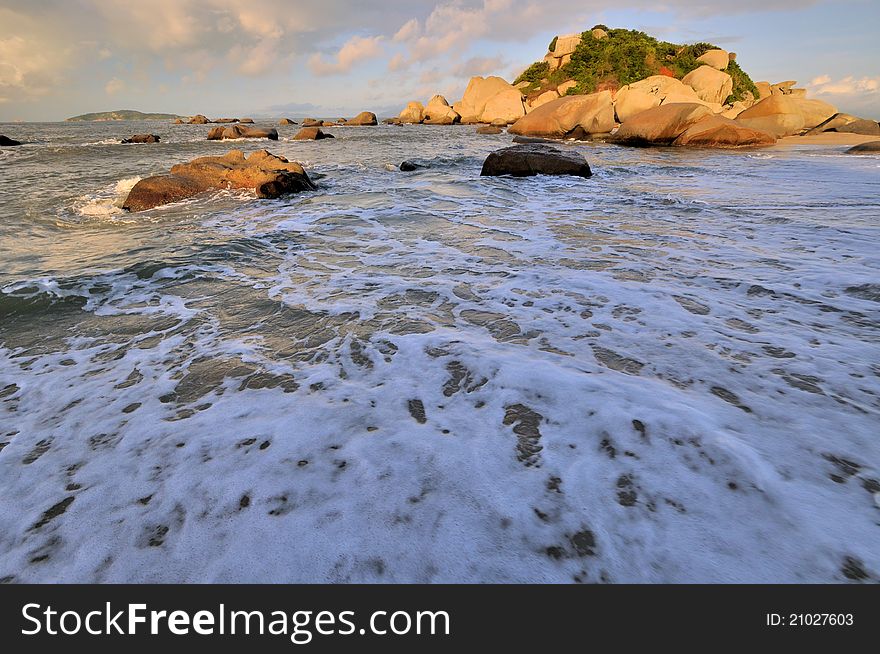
479	66
114	87
356	50
825	85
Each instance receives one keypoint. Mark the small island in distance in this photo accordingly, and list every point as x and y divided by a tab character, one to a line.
120	114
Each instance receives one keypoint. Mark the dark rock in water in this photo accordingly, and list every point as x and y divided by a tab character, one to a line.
312	122
286	121
8	141
268	175
240	132
142	138
871	147
489	129
311	134
535	159
409	166
532	139
247	121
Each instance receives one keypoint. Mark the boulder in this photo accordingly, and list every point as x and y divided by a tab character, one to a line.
564	88
782	88
533	139
720	132
861	126
268	175
286	121
573	116
599	34
711	85
764	90
311	134
247	121
734	110
651	92
871	147
438	112
814	112
328	123
479	92
240	132
223	121
412	113
199	120
776	114
660	125
5	140
363	119
535	159
489	129
717	59
312	122
142	138
544	98
505	107
566	45
178	121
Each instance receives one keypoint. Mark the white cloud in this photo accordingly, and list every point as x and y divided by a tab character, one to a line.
825	85
356	50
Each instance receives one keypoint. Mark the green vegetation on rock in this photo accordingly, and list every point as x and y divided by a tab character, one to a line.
122	114
624	57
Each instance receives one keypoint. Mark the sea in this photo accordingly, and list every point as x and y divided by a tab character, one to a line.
669	372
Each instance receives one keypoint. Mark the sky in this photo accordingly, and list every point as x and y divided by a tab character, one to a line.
234	58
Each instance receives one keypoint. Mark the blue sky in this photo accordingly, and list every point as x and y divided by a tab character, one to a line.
284	57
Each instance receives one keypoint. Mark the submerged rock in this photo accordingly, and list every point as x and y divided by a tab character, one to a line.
240	132
311	134
142	138
312	122
286	121
871	147
489	129
535	159
268	175
8	141
408	166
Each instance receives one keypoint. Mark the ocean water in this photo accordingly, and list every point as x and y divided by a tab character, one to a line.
667	373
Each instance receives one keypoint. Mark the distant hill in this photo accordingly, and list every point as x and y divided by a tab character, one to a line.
122	114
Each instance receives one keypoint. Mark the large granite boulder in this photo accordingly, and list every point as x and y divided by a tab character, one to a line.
438	112
862	126
268	175
412	113
199	119
720	132
4	140
871	147
311	134
142	138
713	86
717	59
777	114
660	125
505	107
650	92
363	119
814	112
535	159
544	98
573	116
479	91
241	132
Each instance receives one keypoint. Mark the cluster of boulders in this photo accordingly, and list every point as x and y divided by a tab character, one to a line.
270	177
489	100
199	119
4	140
241	132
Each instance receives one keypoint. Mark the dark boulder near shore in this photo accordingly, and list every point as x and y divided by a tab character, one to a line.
8	141
142	138
535	159
270	177
871	147
311	134
409	166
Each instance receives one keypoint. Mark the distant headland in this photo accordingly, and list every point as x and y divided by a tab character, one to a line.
121	114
